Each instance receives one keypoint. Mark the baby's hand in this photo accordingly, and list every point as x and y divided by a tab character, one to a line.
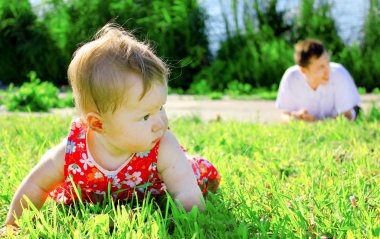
9	230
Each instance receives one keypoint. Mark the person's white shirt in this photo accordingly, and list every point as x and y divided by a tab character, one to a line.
327	101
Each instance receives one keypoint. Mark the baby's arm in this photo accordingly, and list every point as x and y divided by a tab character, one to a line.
43	178
177	174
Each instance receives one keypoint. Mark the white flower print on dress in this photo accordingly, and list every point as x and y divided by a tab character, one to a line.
152	167
74	168
81	145
61	198
98	175
86	161
116	182
133	180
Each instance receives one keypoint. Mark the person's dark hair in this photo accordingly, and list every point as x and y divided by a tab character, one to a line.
307	49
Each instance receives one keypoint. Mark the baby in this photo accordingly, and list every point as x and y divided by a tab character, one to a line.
121	145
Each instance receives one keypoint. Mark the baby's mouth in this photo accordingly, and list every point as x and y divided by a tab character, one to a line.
156	140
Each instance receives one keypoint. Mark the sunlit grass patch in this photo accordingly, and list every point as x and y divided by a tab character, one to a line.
285	181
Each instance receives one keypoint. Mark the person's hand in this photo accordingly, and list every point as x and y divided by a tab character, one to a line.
9	230
303	114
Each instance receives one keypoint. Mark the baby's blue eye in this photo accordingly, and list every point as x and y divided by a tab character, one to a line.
146	117
161	108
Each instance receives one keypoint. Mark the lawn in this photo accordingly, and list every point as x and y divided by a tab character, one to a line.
295	181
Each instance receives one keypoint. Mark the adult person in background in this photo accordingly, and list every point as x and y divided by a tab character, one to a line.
316	88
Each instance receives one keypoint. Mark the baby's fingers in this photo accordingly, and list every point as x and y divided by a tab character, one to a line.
8	230
3	232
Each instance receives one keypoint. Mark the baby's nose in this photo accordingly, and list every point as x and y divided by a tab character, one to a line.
159	124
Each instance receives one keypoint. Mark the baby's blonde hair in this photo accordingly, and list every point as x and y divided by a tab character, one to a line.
98	72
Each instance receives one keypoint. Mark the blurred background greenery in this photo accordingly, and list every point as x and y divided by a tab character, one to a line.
254	54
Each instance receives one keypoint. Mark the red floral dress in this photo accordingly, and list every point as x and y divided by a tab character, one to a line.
138	175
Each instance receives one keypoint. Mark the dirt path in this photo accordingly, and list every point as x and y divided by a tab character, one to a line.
260	111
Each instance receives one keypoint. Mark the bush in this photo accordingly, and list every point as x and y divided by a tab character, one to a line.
316	21
376	90
257	63
66	101
25	44
234	88
33	96
175	28
363	65
257	55
362	90
215	95
373	114
200	88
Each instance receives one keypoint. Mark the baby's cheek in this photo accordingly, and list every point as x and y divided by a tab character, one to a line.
165	117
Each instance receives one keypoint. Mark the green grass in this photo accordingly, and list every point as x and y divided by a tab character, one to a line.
278	181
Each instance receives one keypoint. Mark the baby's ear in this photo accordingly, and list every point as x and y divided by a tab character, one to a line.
95	122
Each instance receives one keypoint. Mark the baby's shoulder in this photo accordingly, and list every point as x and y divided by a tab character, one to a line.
169	150
57	153
168	142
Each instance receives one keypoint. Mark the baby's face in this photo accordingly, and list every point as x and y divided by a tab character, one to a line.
137	126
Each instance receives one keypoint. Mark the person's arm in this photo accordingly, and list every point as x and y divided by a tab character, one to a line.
347	97
287	117
350	114
302	114
43	178
289	94
177	174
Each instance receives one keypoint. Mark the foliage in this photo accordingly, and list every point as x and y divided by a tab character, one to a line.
32	96
175	27
67	100
268	16
263	53
2	96
370	48
278	181
236	88
266	94
363	59
371	27
215	95
373	114
257	62
315	21
200	88
256	52
362	90
25	44
178	91
265	45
